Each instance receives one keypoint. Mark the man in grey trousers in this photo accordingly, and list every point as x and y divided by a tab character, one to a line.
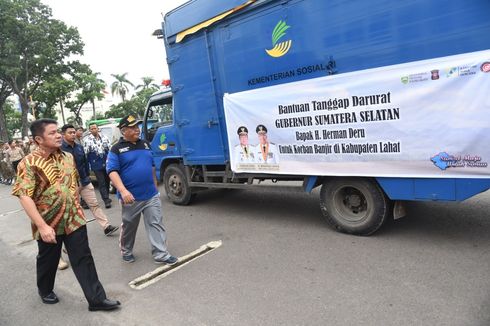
132	171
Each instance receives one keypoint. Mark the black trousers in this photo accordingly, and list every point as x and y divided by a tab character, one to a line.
104	182
14	165
81	260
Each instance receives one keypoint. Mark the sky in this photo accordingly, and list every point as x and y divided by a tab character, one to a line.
117	35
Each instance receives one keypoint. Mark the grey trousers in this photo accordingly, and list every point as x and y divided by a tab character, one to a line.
152	217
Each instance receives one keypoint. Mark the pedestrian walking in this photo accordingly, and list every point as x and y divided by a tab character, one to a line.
3	174
15	154
97	147
31	145
131	169
86	189
6	168
47	183
79	135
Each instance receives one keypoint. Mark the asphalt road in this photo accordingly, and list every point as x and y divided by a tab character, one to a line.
279	264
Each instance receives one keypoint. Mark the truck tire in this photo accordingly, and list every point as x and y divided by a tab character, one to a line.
354	205
176	186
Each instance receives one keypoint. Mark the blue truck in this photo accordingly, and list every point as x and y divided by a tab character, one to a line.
217	48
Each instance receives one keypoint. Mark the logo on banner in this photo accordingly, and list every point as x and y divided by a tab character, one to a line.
281	48
434	74
452	72
485	67
444	161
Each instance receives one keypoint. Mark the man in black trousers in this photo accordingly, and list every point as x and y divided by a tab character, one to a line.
47	186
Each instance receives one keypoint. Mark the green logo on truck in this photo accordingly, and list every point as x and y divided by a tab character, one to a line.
281	48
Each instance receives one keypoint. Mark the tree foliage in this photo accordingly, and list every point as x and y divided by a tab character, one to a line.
147	83
34	47
5	92
137	105
120	85
13	119
89	88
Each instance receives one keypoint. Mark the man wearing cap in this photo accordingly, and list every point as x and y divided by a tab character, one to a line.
96	147
265	152
132	171
243	151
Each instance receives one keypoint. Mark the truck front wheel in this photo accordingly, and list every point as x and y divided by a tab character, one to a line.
354	205
176	186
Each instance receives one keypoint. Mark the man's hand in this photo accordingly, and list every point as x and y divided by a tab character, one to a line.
47	234
127	197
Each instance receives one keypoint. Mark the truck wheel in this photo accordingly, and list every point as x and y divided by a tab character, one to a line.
176	187
354	205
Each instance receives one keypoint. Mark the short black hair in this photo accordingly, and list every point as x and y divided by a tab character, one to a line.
79	128
67	126
37	127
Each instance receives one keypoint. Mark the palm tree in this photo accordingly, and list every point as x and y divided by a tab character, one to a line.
120	86
147	83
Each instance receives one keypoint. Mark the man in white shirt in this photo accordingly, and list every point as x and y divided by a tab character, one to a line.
244	153
265	152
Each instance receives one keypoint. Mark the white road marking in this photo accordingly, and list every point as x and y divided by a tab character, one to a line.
159	273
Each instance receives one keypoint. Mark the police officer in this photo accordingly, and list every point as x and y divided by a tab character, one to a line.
265	152
5	166
244	153
3	174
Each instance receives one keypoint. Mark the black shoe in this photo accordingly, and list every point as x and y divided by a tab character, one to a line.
108	205
105	305
170	260
110	230
50	298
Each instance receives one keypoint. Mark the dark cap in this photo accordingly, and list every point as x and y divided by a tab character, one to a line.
261	129
242	130
129	121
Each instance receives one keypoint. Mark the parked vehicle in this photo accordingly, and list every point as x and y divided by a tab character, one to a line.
377	102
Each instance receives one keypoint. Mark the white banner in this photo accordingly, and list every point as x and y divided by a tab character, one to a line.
427	118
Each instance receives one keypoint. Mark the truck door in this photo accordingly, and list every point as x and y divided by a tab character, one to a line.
159	130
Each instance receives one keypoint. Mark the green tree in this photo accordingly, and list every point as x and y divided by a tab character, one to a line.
89	88
136	105
98	116
33	47
13	119
5	92
53	91
120	85
147	83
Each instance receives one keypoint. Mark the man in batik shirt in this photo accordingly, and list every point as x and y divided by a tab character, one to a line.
97	147
47	185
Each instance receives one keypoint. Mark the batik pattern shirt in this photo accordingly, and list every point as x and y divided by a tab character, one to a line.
96	149
52	183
